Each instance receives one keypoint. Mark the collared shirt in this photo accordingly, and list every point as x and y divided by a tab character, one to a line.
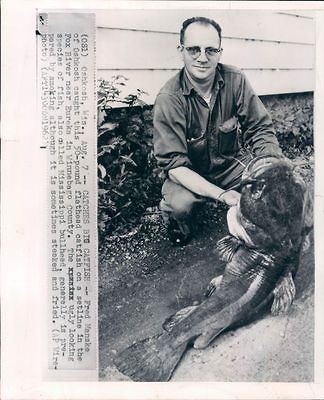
206	138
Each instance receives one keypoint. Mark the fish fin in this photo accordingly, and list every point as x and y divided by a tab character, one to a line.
213	285
150	360
284	294
171	321
203	340
227	247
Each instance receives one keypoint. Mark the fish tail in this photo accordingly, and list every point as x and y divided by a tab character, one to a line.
150	360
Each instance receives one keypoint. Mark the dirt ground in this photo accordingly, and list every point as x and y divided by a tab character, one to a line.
143	279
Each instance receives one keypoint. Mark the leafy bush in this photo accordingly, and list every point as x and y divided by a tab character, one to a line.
292	116
128	177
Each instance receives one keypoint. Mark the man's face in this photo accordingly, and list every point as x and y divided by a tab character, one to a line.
202	68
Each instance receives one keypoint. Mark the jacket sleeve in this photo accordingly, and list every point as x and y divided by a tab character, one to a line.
169	137
257	127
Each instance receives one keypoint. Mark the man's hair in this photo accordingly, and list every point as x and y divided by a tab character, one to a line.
203	21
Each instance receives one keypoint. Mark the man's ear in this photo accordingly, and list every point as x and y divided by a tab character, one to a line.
180	51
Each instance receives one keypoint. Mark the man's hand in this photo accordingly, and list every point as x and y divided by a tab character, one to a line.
231	198
200	186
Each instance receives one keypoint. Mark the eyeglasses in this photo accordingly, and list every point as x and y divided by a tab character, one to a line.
195	51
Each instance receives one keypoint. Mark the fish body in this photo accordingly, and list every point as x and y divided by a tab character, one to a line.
248	281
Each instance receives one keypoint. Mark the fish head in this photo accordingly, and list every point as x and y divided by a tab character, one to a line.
272	198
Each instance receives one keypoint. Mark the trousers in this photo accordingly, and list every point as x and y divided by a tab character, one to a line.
178	202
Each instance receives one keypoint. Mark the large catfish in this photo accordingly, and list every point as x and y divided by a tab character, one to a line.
272	212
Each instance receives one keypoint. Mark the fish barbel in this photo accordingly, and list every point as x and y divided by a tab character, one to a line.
269	187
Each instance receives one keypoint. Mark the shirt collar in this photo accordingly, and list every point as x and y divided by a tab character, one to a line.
187	86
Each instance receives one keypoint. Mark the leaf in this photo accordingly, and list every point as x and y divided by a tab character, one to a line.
102	192
118	193
101	153
130	99
102	170
127	204
102	226
129	160
101	99
109	126
122	170
102	132
106	149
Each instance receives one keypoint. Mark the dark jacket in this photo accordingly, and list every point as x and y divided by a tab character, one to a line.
190	133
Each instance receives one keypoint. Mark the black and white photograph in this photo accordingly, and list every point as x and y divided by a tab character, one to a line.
162	200
205	202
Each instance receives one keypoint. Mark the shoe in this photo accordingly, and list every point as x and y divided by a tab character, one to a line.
179	233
